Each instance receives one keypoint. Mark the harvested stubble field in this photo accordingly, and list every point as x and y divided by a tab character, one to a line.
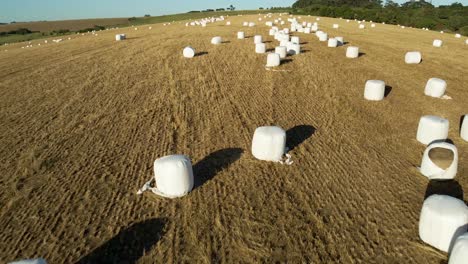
83	121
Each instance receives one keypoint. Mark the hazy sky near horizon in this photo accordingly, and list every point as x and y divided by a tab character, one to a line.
33	10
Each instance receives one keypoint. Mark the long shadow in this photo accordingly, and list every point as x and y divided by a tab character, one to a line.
268	41
361	54
208	167
305	51
270	50
304	43
128	245
226	42
450	188
201	53
298	134
388	90
286	61
462	118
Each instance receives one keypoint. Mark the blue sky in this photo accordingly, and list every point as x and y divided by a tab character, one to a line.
32	10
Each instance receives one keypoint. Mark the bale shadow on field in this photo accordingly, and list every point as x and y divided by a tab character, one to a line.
304	43
129	245
286	61
268	41
361	54
462	118
201	53
447	187
305	51
270	50
345	43
388	90
225	42
208	167
298	134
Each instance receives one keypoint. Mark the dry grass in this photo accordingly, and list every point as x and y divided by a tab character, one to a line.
83	120
72	25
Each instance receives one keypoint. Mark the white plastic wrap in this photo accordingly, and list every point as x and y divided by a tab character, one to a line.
459	254
295	40
443	219
307	30
340	41
464	128
269	143
189	52
273	60
173	175
119	37
332	43
272	32
281	51
374	90
457	35
432	170
352	52
240	35
216	40
336	26
258	39
432	128
413	57
245	24
251	24
435	87
260	48
323	37
30	261
437	43
362	26
293	49
314	28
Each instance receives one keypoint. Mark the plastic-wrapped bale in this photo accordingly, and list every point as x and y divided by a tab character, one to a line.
362	26
228	23
295	40
457	35
258	39
245	24
437	43
216	40
435	87
189	52
272	32
340	41
251	24
286	30
307	30
372	25
260	48
440	161
119	37
240	35
273	60
413	57
459	254
466	42
352	52
374	90
269	143
464	128
269	24
336	26
443	219
314	28
30	261
293	49
432	128
281	51
323	37
173	175
332	43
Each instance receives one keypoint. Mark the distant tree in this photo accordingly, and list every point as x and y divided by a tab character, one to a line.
147	15
391	4
231	8
261	8
220	9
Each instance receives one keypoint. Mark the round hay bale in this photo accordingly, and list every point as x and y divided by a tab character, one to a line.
30	261
332	43
260	48
269	143
440	161
189	52
352	52
216	40
340	41
464	128
413	57
307	30
443	219
362	26
281	51
435	87
240	35
120	37
432	128
437	43
295	40
293	49
323	37
459	254
245	24
258	39
173	175
374	90
273	60
336	26
457	35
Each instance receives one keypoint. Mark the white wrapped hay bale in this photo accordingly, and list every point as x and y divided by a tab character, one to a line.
245	24
440	161
332	43
323	37
269	23
443	219
295	40
273	60
260	48
307	30
30	261
119	37
432	128
437	43
189	52
240	35
272	32
336	26
413	57
374	90
269	143
258	39
340	41
314	28
228	23
251	24
281	51
464	128
352	52
435	87
457	35
293	49
372	25
216	40
173	175
362	26
459	254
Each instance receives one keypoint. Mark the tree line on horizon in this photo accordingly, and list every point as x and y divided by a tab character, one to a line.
420	14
